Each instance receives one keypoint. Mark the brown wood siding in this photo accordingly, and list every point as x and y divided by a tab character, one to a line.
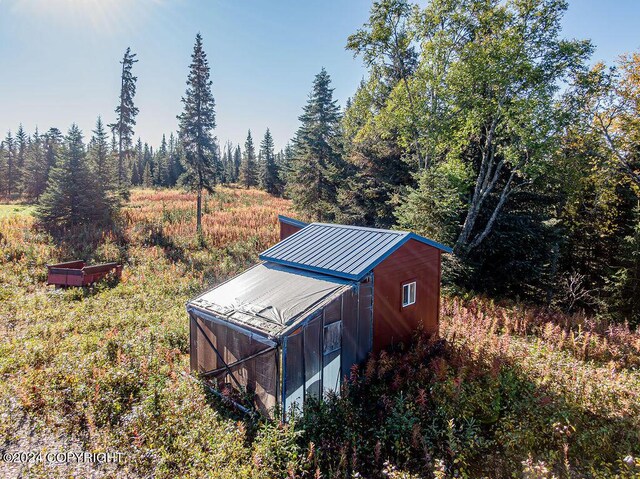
259	374
414	261
287	230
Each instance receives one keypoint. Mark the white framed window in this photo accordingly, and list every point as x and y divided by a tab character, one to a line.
408	294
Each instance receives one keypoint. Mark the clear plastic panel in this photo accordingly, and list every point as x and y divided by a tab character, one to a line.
252	363
365	321
313	357
294	371
349	331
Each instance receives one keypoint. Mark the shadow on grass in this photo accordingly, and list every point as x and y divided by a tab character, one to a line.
228	410
92	244
153	235
479	416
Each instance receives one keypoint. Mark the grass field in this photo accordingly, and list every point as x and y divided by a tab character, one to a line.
15	210
512	391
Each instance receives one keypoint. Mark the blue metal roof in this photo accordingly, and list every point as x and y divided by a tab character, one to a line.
348	252
291	221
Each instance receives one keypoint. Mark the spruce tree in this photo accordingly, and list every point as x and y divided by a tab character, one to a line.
53	139
147	177
248	173
218	170
72	196
197	123
147	168
624	285
36	169
316	166
226	165
100	159
126	113
22	143
237	161
3	169
284	165
176	169
137	164
269	180
10	184
162	164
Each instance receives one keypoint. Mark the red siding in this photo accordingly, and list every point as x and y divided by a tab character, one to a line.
287	230
414	261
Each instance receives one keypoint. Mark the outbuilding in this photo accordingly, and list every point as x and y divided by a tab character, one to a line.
319	302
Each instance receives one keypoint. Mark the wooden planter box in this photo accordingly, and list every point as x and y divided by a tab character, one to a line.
76	273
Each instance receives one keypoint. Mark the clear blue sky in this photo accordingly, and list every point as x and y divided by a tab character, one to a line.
59	58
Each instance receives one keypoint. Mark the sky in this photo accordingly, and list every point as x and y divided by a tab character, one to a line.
59	59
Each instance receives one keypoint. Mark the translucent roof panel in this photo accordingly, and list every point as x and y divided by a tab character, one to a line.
269	297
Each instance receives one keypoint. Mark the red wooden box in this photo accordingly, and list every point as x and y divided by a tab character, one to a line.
76	273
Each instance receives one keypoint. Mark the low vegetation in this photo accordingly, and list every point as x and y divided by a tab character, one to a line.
12	210
507	389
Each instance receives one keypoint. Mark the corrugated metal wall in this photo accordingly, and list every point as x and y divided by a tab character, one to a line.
312	364
316	356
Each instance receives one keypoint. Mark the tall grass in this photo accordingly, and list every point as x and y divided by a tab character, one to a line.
108	365
496	396
508	391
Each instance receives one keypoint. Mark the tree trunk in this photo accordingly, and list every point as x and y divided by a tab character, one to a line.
488	176
625	166
120	128
199	212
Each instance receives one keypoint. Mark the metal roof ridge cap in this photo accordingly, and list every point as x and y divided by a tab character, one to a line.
314	269
365	228
292	221
430	242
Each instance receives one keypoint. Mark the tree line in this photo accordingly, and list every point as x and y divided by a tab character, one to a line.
74	182
477	125
480	126
26	160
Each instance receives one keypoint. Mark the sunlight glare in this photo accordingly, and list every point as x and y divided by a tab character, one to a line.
106	16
